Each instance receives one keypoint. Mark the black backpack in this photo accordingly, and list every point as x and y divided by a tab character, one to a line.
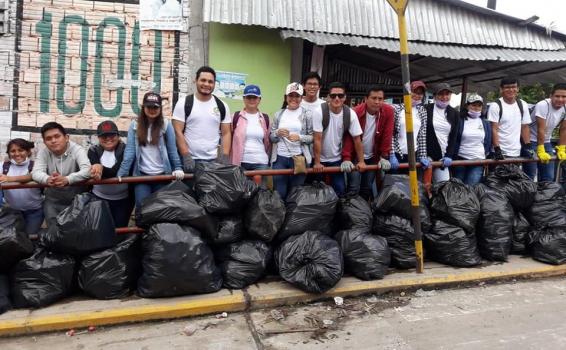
236	117
190	100
326	117
6	167
498	102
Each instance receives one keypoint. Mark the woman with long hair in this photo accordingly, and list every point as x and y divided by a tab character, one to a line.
151	149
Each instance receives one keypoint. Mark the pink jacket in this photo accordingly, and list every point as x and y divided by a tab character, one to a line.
239	137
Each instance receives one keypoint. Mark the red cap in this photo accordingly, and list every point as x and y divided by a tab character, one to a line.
417	84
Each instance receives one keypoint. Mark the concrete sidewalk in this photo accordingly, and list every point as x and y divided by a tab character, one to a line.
79	312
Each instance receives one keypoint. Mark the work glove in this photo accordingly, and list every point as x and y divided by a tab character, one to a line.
394	162
188	163
561	152
347	166
384	164
497	154
425	162
179	175
528	150
446	162
542	155
224	159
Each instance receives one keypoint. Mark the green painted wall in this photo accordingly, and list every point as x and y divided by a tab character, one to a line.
256	51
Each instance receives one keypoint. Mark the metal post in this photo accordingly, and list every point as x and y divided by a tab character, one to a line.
400	6
464	92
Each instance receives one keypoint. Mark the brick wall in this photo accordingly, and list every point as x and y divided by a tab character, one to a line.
80	62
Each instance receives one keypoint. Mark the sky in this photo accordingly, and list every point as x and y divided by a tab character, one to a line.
551	12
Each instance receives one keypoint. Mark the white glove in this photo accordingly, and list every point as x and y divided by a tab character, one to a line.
179	175
347	166
384	164
119	179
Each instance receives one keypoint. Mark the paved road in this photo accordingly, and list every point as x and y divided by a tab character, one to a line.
521	315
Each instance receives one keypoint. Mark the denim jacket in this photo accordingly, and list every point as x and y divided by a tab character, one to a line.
306	134
167	147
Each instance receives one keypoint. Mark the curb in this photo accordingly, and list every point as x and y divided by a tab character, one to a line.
269	294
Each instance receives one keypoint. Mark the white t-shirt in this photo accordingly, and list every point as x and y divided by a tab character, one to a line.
312	106
254	149
369	135
151	162
441	127
473	135
403	130
23	198
332	138
509	125
202	131
290	120
110	192
543	109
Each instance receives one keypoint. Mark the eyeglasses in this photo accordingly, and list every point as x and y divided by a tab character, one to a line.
333	96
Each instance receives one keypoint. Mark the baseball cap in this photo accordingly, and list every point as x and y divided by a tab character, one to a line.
441	87
294	87
107	127
252	90
417	84
151	99
474	98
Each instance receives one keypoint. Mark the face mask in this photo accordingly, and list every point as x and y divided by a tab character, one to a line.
473	114
417	103
22	163
441	104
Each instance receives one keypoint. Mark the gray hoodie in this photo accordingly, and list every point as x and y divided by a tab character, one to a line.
73	163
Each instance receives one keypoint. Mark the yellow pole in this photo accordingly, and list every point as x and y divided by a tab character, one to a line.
400	6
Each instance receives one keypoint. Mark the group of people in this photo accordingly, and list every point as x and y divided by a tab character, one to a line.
306	132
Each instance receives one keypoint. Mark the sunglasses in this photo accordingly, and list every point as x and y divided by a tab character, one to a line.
333	96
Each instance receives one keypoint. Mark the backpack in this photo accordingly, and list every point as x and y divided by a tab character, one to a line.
498	102
236	117
190	100
326	117
6	167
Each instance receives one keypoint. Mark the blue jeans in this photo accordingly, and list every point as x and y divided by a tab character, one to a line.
545	172
337	180
33	219
285	183
362	183
250	166
470	175
142	191
121	210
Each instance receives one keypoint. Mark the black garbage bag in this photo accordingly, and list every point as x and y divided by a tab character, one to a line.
311	261
5	303
309	207
517	186
455	203
548	208
230	230
243	263
84	227
400	237
521	228
173	204
452	245
395	198
176	261
548	245
14	242
264	215
494	230
354	212
111	273
42	279
222	189
179	186
366	256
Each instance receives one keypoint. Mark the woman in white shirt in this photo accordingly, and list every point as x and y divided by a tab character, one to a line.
250	130
474	140
291	135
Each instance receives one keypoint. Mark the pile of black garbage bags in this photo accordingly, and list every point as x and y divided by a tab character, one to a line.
225	231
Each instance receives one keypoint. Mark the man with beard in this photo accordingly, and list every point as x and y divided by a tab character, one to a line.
201	121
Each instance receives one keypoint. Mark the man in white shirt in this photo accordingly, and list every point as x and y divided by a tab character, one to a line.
311	82
510	121
330	129
199	120
547	115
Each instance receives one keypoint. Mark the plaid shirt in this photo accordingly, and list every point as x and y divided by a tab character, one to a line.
421	137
